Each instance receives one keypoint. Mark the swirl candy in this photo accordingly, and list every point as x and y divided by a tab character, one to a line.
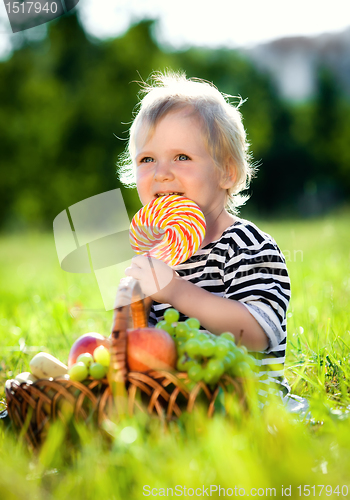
169	228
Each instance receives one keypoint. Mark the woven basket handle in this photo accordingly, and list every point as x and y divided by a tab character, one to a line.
129	298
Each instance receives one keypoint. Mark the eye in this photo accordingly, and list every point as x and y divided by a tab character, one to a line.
146	159
183	157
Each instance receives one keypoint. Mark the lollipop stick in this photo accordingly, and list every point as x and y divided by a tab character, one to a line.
153	271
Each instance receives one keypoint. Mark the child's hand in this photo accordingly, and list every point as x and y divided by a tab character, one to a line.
154	276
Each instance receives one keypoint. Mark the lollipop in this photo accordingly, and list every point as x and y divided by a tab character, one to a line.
169	228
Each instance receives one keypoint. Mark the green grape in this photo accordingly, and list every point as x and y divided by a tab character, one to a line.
193	323
85	358
184	363
215	367
207	348
239	354
78	372
192	333
226	362
221	348
180	344
161	324
98	371
192	347
102	356
242	369
212	336
209	378
243	349
196	373
179	341
202	336
191	362
232	345
169	328
181	329
228	336
231	357
171	315
250	360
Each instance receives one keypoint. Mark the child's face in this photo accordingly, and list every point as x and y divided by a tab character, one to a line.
175	159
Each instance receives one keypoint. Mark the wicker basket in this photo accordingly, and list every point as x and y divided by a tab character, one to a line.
33	406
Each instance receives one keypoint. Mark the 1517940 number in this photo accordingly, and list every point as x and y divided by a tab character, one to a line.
27	7
316	491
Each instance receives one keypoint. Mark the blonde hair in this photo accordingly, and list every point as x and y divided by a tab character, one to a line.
221	122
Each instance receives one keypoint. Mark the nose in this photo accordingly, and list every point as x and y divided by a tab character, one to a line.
163	171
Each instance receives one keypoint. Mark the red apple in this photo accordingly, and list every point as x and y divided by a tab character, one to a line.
86	343
150	349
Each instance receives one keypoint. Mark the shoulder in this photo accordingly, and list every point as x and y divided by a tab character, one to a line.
244	241
246	234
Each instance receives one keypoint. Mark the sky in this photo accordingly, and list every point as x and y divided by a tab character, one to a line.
215	23
219	22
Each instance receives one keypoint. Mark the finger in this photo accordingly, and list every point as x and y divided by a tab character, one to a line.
140	260
134	272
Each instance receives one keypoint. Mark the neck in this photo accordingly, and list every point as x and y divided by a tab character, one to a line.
216	225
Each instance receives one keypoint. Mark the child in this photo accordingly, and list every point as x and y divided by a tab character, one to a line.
188	139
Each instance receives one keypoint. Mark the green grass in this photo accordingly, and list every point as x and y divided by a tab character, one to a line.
43	307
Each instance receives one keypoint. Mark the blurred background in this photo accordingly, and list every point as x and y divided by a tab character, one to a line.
68	90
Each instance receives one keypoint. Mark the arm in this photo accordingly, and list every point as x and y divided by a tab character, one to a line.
216	314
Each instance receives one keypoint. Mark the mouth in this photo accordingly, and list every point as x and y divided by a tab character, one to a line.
158	195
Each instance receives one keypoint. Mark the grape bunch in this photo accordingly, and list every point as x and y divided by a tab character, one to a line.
94	365
205	356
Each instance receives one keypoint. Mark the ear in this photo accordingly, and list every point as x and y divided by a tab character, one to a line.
228	176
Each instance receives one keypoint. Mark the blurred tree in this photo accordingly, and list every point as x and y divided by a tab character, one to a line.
330	139
66	99
321	128
67	103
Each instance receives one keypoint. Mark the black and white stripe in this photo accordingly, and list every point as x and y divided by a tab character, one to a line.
245	264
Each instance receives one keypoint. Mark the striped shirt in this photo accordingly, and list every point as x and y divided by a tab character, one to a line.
245	264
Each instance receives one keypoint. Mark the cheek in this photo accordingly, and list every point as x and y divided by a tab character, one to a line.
140	176
142	188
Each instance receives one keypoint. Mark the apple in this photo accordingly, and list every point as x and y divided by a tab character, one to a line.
150	349
86	343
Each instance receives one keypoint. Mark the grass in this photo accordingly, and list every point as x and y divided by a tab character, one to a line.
42	307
